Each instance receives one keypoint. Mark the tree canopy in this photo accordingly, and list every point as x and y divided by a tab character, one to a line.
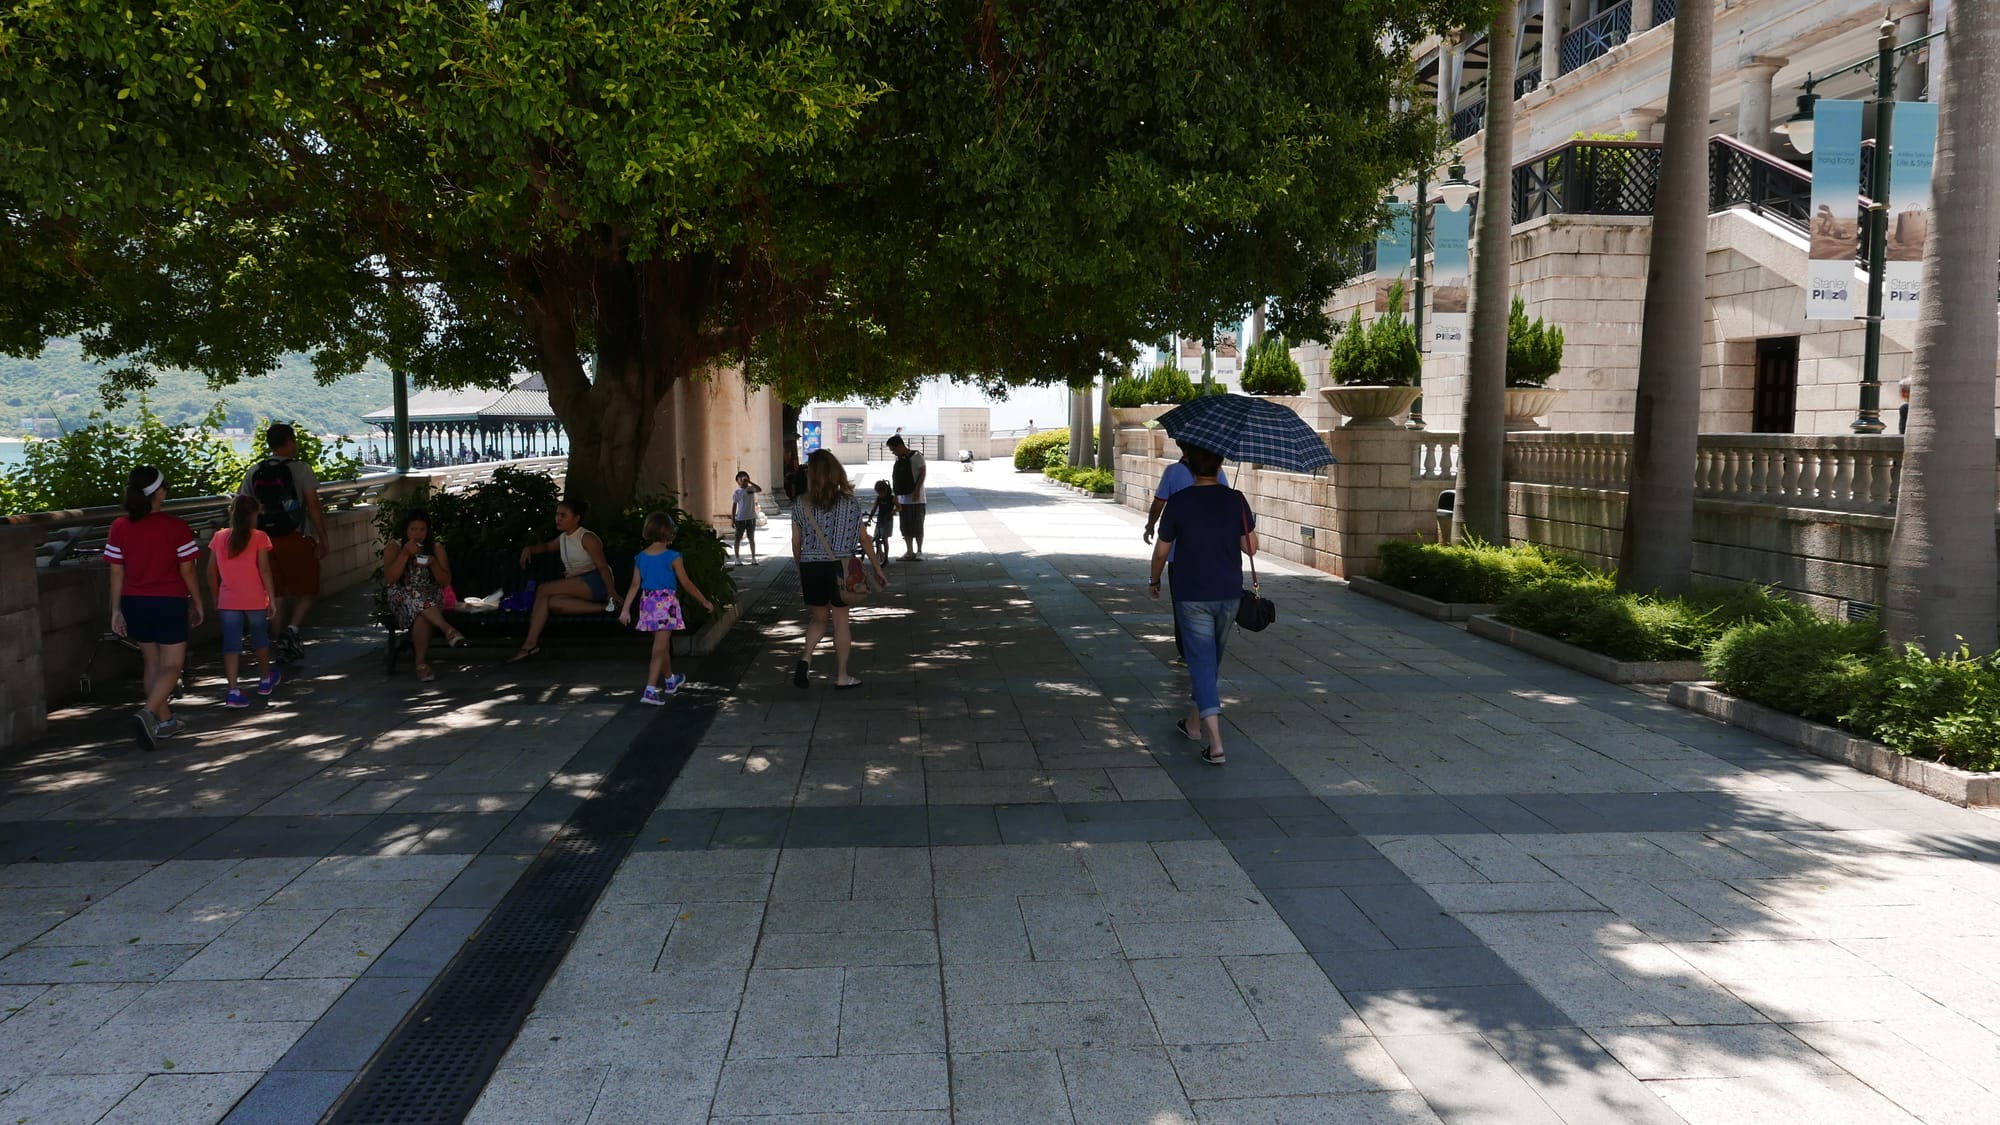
845	194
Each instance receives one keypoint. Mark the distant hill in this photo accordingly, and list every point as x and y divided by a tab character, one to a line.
62	385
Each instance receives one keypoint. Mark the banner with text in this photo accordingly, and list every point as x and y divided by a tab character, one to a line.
1836	223
1392	244
1914	145
1451	295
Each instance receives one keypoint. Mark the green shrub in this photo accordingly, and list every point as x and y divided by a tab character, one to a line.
1381	353
1126	393
1099	481
1944	708
87	467
1470	572
1806	666
1534	348
1269	369
1031	452
1589	612
1169	384
1057	456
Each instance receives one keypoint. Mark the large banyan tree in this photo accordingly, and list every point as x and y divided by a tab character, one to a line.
844	195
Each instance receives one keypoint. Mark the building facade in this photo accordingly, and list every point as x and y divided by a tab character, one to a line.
1590	90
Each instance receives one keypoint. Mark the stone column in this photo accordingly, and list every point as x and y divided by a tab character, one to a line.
1374	496
24	714
1753	106
1555	24
1913	77
1643	122
1642	16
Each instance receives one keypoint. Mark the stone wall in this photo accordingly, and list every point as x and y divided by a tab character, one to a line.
23	713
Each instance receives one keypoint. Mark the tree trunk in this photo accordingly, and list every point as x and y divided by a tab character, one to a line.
1658	547
1942	565
1482	486
1107	432
1077	425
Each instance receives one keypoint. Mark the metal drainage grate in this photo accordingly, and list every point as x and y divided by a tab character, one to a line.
433	1068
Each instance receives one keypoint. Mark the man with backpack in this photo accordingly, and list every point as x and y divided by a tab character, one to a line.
289	511
907	479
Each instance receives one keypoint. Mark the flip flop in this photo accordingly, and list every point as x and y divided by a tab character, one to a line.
1214	757
455	640
523	654
848	686
1181	726
424	674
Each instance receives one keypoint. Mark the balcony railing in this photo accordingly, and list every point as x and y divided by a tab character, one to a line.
1527	82
1588	178
1663	10
1597	36
1468	120
1742	176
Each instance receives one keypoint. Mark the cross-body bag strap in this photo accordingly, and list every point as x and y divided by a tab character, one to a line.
1246	535
820	532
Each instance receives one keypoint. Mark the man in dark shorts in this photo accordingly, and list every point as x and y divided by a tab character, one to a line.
907	478
290	513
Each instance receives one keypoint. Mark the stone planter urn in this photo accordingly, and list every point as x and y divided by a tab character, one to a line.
1294	403
1129	416
1525	404
1371	407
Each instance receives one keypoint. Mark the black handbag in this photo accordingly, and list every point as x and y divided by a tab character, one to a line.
1253	612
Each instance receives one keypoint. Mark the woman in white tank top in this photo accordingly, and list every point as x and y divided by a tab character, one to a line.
586	583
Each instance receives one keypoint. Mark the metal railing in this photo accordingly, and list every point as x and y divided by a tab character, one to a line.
1469	119
1588	178
77	534
1527	82
1742	176
1597	36
1663	10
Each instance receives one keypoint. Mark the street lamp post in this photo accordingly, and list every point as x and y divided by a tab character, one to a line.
1800	129
1420	224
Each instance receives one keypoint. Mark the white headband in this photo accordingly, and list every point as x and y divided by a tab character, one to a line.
159	478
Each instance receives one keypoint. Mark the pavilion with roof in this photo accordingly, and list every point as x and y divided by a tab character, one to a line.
448	426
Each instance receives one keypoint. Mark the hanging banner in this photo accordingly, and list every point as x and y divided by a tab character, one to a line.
1451	265
1914	145
1836	223
1392	253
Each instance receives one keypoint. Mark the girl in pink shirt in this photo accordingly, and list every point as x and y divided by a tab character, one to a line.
239	577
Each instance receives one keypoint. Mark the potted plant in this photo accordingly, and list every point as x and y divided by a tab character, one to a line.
1375	368
1128	397
1168	386
1534	355
1269	371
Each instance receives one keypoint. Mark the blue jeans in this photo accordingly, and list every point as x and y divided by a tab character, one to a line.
233	623
1204	629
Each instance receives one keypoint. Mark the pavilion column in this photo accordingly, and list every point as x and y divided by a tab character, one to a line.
1753	105
1642	16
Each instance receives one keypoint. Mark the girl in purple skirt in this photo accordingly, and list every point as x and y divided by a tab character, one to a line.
657	577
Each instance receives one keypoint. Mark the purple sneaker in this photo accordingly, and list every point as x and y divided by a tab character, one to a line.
236	698
673	683
652	697
268	685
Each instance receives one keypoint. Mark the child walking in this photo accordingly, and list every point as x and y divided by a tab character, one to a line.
883	516
657	576
239	579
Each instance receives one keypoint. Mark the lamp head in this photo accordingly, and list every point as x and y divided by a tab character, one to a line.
1456	190
1799	127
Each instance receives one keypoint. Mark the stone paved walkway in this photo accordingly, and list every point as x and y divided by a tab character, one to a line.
1438	880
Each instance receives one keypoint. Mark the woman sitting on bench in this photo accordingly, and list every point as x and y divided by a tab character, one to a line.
586	584
416	570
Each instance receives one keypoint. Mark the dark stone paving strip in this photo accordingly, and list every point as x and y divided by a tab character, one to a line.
417	1037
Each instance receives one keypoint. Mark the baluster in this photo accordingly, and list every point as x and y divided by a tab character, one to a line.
1789	487
1843	480
1814	479
1770	475
1729	473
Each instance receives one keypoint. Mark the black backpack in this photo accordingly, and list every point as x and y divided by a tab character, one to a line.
903	477
277	494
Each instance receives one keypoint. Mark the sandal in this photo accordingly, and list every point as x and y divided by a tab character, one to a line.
455	639
848	686
799	674
1214	757
1181	726
523	654
424	674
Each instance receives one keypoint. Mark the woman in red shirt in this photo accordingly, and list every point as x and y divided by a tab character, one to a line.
154	598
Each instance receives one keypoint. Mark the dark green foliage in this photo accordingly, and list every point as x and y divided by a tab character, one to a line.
1126	392
1805	666
1381	353
1169	385
703	554
1099	481
1944	708
1472	572
1031	452
1269	369
87	467
1590	613
1534	348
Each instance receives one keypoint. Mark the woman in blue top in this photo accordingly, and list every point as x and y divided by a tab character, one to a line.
1207	528
657	574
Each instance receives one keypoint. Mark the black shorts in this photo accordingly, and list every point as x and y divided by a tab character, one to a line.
155	621
913	520
746	525
819	582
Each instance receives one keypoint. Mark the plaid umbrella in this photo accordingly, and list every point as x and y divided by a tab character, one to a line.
1242	428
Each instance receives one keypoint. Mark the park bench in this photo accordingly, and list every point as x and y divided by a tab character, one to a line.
478	573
